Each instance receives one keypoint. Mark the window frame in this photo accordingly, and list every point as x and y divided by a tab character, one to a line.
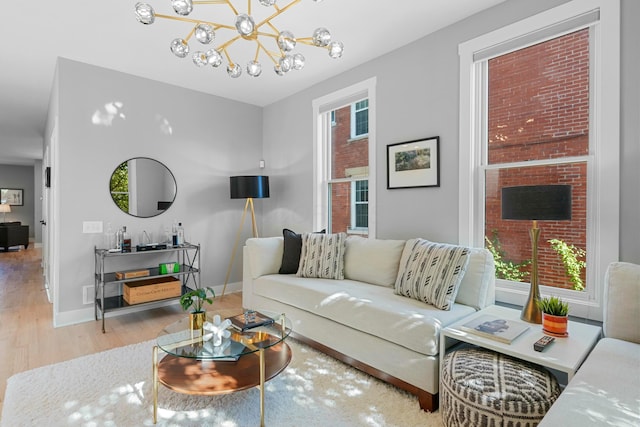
603	197
321	151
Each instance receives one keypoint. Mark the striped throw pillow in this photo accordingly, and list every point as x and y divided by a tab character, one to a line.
322	256
431	272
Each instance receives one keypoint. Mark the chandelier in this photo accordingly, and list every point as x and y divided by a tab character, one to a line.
245	28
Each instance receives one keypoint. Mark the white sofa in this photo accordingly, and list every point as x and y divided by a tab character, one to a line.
606	389
360	320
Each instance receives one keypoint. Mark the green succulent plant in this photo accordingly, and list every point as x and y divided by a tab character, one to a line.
196	299
553	305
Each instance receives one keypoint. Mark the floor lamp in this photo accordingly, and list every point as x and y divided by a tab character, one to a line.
246	187
4	208
536	203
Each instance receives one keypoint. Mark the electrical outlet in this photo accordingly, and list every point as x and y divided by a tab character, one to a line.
92	226
88	294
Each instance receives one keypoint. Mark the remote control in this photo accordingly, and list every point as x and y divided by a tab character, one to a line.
542	343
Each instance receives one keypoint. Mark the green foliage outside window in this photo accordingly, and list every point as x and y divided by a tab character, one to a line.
569	254
505	269
119	186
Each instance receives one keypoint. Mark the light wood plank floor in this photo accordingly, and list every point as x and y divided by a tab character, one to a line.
28	339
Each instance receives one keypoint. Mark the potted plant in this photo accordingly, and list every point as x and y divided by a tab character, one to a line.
194	300
554	316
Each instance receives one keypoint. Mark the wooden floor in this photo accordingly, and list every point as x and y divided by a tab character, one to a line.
28	339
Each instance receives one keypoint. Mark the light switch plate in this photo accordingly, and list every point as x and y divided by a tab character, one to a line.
92	226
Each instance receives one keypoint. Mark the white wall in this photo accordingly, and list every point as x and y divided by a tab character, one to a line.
417	96
106	117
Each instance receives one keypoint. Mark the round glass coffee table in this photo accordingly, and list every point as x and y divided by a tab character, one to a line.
193	365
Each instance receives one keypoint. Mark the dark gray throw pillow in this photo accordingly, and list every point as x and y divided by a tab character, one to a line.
291	253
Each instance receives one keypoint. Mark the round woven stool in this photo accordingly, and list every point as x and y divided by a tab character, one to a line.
483	388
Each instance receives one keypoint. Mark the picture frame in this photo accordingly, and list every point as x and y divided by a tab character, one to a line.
413	164
12	196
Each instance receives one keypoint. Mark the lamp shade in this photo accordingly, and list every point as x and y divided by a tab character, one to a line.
537	202
249	186
4	208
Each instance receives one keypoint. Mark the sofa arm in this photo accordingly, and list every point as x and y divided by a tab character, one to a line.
263	255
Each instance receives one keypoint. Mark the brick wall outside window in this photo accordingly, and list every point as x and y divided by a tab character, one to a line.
346	155
539	109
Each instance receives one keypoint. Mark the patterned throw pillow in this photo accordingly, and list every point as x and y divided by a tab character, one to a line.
322	256
431	272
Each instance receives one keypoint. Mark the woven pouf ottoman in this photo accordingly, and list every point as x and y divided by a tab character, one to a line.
483	388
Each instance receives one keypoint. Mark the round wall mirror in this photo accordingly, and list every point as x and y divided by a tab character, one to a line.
142	187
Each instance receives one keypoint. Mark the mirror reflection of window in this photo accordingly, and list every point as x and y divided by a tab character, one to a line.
142	187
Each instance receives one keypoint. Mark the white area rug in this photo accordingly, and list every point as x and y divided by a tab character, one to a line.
113	388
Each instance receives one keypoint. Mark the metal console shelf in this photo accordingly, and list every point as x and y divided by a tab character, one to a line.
187	257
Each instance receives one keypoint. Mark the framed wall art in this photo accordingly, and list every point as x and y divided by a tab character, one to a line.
414	163
12	196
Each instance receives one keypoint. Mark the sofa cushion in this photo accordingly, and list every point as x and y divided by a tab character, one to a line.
431	272
322	256
604	392
374	310
372	261
621	298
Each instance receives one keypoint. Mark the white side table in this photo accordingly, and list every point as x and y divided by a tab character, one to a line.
564	354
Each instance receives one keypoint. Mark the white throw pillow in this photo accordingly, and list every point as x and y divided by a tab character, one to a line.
372	261
477	288
431	272
322	256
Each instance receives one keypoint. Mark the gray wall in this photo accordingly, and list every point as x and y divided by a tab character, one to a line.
13	176
201	138
418	96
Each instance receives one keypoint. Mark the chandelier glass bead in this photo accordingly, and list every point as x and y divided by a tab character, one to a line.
204	33
336	49
298	61
215	58
245	24
182	7
321	37
254	68
180	48
145	13
234	70
286	41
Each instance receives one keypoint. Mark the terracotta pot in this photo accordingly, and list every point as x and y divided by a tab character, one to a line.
555	325
196	320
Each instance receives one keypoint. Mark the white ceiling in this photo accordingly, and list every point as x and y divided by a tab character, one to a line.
106	33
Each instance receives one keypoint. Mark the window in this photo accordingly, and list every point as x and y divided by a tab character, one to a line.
360	119
538	134
538	101
344	166
360	205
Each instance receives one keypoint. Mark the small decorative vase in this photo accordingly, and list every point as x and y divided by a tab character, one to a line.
555	325
196	320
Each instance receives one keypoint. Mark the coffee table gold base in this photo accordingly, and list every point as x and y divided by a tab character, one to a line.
207	377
